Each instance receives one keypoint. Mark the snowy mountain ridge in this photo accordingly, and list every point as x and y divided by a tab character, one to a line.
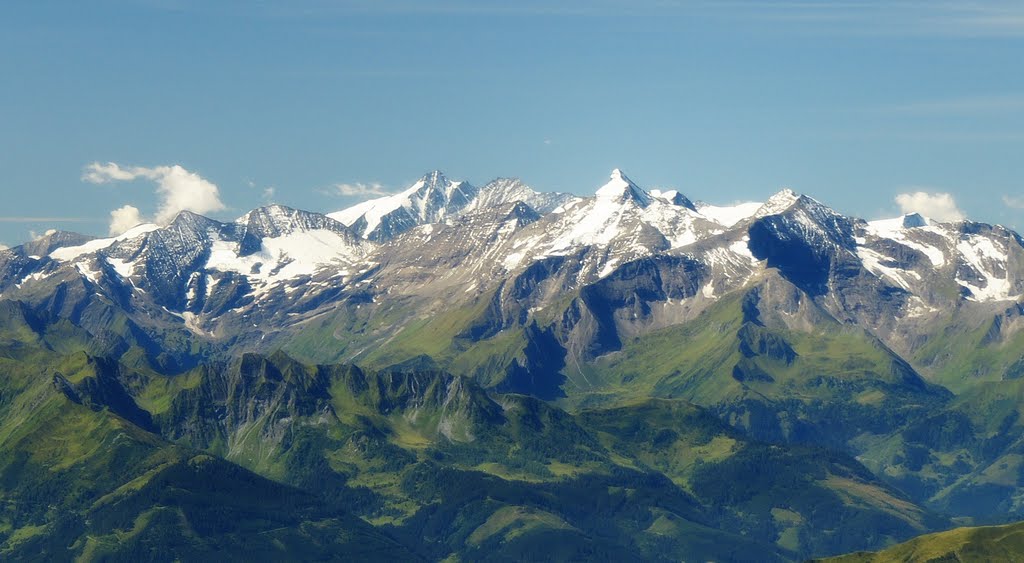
622	219
442	244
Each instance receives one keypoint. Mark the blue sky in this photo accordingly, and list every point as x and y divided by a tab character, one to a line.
852	102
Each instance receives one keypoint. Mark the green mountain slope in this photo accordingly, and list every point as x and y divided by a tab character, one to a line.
438	462
809	499
78	481
990	543
772	361
966	458
963	350
425	454
826	387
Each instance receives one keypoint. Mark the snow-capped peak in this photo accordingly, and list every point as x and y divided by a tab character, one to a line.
781	201
620	188
433	182
432	198
278	220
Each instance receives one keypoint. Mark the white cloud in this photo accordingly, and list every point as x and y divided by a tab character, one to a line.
268	193
178	189
1016	202
97	173
937	205
358	189
4	246
124	218
34	235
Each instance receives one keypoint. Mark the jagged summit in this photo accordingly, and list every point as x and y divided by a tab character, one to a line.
620	188
470	237
503	191
522	211
186	219
276	220
436	186
434	177
781	201
430	199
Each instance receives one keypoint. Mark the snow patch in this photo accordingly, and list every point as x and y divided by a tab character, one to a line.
123	268
192	323
873	262
898	229
285	257
727	216
608	268
512	260
985	258
69	253
88	273
708	291
742	248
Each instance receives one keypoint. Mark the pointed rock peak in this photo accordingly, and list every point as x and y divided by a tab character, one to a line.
424	184
617	184
191	222
437	181
621	188
189	218
785	196
781	201
912	220
434	178
523	212
276	220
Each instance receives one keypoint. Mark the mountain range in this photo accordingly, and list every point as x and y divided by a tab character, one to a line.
482	372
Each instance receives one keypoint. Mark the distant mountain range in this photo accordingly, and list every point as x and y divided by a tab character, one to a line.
547	346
